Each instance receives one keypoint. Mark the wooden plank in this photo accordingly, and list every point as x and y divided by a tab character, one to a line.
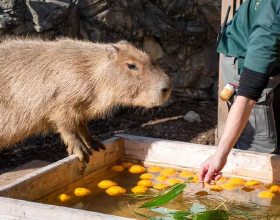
225	4
237	4
21	171
246	164
60	174
22	210
222	106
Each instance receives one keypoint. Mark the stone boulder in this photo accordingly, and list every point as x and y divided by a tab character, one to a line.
46	14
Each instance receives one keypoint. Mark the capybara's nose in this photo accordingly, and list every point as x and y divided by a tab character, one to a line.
166	88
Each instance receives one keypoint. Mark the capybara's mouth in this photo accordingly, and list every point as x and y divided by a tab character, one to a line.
159	103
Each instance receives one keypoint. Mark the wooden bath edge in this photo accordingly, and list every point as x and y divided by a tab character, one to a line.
150	151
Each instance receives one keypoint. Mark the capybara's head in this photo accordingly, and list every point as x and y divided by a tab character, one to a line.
135	78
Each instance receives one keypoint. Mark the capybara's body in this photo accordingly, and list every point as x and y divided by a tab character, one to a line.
62	84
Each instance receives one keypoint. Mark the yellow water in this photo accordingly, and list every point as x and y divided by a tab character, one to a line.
99	201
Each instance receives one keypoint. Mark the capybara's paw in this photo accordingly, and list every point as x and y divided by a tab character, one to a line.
96	145
81	151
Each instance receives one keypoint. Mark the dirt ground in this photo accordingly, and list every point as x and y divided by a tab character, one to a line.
166	123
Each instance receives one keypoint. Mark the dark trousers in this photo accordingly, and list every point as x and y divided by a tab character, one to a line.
276	111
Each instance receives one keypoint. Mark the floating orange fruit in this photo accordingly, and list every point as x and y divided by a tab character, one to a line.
146	183
81	191
186	174
195	178
252	183
216	188
168	172
162	178
117	168
154	169
137	169
173	181
115	191
274	188
266	195
105	184
147	176
160	186
127	165
236	181
228	186
139	189
221	180
64	197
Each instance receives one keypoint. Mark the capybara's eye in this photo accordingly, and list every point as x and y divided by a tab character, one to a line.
132	66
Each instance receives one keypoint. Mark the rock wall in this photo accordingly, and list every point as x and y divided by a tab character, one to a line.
179	34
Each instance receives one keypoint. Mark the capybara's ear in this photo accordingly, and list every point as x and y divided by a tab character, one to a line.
112	52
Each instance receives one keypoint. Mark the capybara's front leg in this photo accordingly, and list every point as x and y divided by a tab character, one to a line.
89	141
73	142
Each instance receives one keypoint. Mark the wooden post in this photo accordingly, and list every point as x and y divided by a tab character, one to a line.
222	105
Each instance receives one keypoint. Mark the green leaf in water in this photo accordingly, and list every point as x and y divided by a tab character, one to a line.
195	208
175	214
165	198
211	215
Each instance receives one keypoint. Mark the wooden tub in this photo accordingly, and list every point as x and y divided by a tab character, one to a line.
15	198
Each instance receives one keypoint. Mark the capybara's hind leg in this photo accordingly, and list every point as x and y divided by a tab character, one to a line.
89	141
74	143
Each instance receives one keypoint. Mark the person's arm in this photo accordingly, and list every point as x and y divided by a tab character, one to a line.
262	53
236	121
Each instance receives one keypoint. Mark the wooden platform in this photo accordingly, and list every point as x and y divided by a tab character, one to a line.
150	151
21	171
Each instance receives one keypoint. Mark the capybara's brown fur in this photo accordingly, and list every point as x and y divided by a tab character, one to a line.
62	84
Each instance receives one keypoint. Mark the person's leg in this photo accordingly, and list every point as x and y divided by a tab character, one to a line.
259	133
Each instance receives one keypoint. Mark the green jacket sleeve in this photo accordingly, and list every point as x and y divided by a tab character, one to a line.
264	42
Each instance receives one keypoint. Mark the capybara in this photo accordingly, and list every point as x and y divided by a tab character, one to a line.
62	84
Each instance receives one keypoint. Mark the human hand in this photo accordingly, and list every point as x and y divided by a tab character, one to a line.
210	169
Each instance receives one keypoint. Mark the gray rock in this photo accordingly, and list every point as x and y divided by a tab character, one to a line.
212	16
204	2
215	89
19	29
7	21
192	93
204	82
7	4
47	14
192	117
90	8
73	21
